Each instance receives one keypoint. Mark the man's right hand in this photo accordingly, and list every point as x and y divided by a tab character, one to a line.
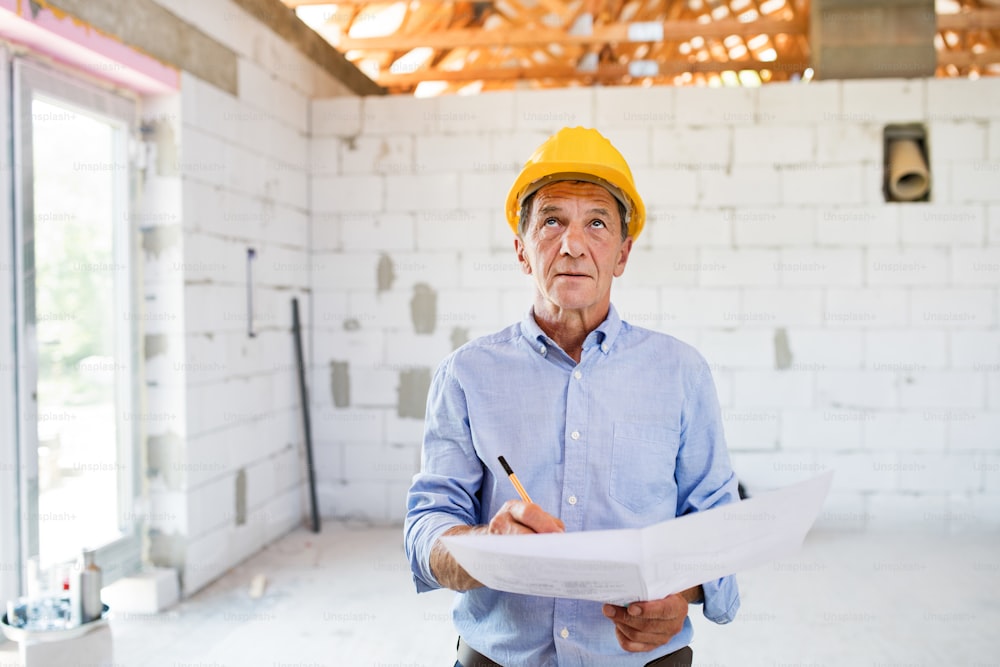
517	517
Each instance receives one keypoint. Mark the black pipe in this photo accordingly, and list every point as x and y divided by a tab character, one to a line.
304	395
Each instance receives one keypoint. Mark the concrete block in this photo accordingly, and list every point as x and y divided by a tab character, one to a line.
211	505
204	158
420	192
788	103
391	114
737	268
700	308
762	471
861	390
863	472
373	387
452	152
666	187
993	391
510	150
366	501
383	154
913	266
340	425
741	186
993	149
345	271
849	143
640	306
406	350
468	309
820	349
703	106
897	513
772	226
475	190
349	194
550	110
908	430
958	141
281	514
380	232
975	349
633	143
943	389
938	472
975	181
457	229
962	99
634	107
843	512
939	224
746	348
905	351
206	559
973	430
380	311
763	307
459	114
772	389
883	100
975	266
692	148
268	94
821	184
993	225
858	225
147	592
751	429
819	267
969	308
764	145
491	270
336	117
694	227
406	431
655	267
366	462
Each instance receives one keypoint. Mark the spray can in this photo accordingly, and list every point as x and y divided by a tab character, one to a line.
85	590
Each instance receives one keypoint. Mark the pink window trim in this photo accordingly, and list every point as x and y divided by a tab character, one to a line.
82	47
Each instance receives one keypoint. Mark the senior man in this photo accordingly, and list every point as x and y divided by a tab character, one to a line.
607	425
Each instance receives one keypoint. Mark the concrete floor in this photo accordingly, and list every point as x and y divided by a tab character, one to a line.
344	598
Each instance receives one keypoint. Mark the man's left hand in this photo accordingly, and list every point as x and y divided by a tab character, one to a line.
643	626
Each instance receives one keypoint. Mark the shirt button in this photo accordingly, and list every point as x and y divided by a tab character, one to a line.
541	349
575	435
604	347
564	633
571	500
578	375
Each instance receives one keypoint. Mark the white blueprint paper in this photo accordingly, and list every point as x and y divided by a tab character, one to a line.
621	566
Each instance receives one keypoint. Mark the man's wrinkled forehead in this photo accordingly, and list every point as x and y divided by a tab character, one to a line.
552	197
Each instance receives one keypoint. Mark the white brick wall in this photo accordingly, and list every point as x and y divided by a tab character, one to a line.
765	214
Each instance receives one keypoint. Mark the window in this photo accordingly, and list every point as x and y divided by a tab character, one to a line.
76	342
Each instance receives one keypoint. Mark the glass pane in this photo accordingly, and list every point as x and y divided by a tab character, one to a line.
75	274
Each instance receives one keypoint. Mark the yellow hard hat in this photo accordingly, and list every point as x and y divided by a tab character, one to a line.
578	154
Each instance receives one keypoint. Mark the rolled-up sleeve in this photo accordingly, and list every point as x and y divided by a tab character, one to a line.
444	493
705	478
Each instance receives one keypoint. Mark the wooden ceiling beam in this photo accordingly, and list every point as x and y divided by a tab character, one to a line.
977	19
615	32
968	59
605	71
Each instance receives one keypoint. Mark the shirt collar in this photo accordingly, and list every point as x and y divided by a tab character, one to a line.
604	335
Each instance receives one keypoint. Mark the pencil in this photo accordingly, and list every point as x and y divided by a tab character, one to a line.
514	480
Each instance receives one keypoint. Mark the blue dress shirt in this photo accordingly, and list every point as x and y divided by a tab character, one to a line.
630	436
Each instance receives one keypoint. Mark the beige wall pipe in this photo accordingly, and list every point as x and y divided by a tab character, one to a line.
909	178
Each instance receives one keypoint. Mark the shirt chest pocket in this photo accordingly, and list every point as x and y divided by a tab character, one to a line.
642	464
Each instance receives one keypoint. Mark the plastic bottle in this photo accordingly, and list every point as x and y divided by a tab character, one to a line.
85	590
